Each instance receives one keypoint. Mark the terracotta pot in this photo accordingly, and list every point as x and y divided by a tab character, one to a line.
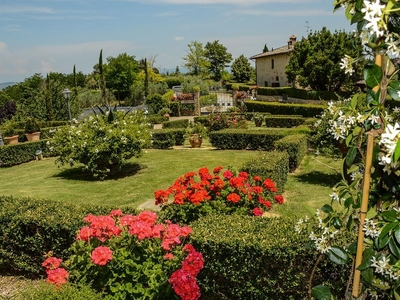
10	140
258	123
34	136
195	141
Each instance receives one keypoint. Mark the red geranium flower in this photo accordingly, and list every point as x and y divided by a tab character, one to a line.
58	276
101	255
279	199
257	212
52	263
270	185
227	174
233	198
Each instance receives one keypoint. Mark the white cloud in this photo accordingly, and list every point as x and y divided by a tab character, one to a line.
6	9
179	38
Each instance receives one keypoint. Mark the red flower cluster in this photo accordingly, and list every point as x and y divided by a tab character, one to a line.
240	190
183	281
100	227
101	255
55	274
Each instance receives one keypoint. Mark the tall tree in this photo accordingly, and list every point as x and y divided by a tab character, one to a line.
121	73
218	58
195	60
315	61
241	69
265	48
102	78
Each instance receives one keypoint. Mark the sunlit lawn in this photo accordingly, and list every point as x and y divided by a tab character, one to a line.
157	169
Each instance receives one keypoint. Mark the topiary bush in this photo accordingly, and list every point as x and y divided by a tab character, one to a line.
283	121
183	123
259	258
163	138
296	146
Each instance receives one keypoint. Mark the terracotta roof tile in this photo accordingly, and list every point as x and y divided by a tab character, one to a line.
280	50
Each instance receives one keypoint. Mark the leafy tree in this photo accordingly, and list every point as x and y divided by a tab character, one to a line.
121	73
265	48
241	69
315	61
195	60
218	58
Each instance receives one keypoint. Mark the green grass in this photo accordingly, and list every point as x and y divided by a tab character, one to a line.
310	185
156	169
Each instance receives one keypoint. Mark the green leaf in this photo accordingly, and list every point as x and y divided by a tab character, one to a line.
367	256
337	223
396	154
368	275
321	292
351	155
353	102
357	17
387	228
394	247
396	234
389	216
381	242
327	208
394	89
373	75
338	255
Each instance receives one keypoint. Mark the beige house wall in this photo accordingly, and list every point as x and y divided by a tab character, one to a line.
266	76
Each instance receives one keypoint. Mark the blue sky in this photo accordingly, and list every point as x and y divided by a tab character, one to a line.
40	36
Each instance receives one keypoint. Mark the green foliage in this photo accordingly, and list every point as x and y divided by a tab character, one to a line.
156	119
241	69
296	146
244	139
314	64
283	121
10	128
183	123
175	108
258	117
258	258
32	227
163	138
197	128
164	111
273	164
31	125
305	110
218	57
190	83
102	143
156	103
45	291
208	100
195	60
23	152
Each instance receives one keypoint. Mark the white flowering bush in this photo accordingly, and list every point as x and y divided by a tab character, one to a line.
365	203
102	143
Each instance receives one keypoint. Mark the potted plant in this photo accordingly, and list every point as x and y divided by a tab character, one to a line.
32	129
197	132
258	119
10	132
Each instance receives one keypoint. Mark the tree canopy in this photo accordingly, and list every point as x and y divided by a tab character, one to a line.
218	58
314	62
195	60
241	69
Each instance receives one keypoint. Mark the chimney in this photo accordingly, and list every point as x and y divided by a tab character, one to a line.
292	41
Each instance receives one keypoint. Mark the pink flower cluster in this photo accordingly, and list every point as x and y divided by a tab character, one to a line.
183	281
55	274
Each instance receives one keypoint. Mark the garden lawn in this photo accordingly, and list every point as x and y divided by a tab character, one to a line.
156	169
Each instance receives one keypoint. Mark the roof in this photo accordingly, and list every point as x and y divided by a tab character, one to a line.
280	50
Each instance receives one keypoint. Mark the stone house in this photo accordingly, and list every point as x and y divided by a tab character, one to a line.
270	65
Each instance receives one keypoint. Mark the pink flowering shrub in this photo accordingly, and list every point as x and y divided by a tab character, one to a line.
130	257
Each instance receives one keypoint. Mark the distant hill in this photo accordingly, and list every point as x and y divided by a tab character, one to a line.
6	84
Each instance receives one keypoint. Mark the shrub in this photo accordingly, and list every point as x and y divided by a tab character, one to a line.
175	108
183	123
102	143
296	146
32	227
131	257
23	152
31	125
283	121
163	138
244	139
273	164
7	111
198	194
208	100
155	103
305	110
259	258
155	119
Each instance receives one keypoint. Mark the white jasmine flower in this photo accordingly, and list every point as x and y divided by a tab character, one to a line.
346	64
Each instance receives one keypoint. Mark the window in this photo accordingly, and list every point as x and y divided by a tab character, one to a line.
265	83
272	63
277	78
275	84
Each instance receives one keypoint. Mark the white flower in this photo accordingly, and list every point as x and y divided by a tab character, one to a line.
346	64
370	229
334	196
96	150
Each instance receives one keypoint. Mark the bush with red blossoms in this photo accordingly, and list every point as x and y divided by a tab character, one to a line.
130	257
196	194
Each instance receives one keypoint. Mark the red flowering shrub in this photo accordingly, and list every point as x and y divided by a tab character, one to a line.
116	252
197	194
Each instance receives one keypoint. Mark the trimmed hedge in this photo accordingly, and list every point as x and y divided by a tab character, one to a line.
244	139
283	121
22	152
163	139
156	119
175	108
31	227
259	258
183	123
296	146
273	164
305	110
